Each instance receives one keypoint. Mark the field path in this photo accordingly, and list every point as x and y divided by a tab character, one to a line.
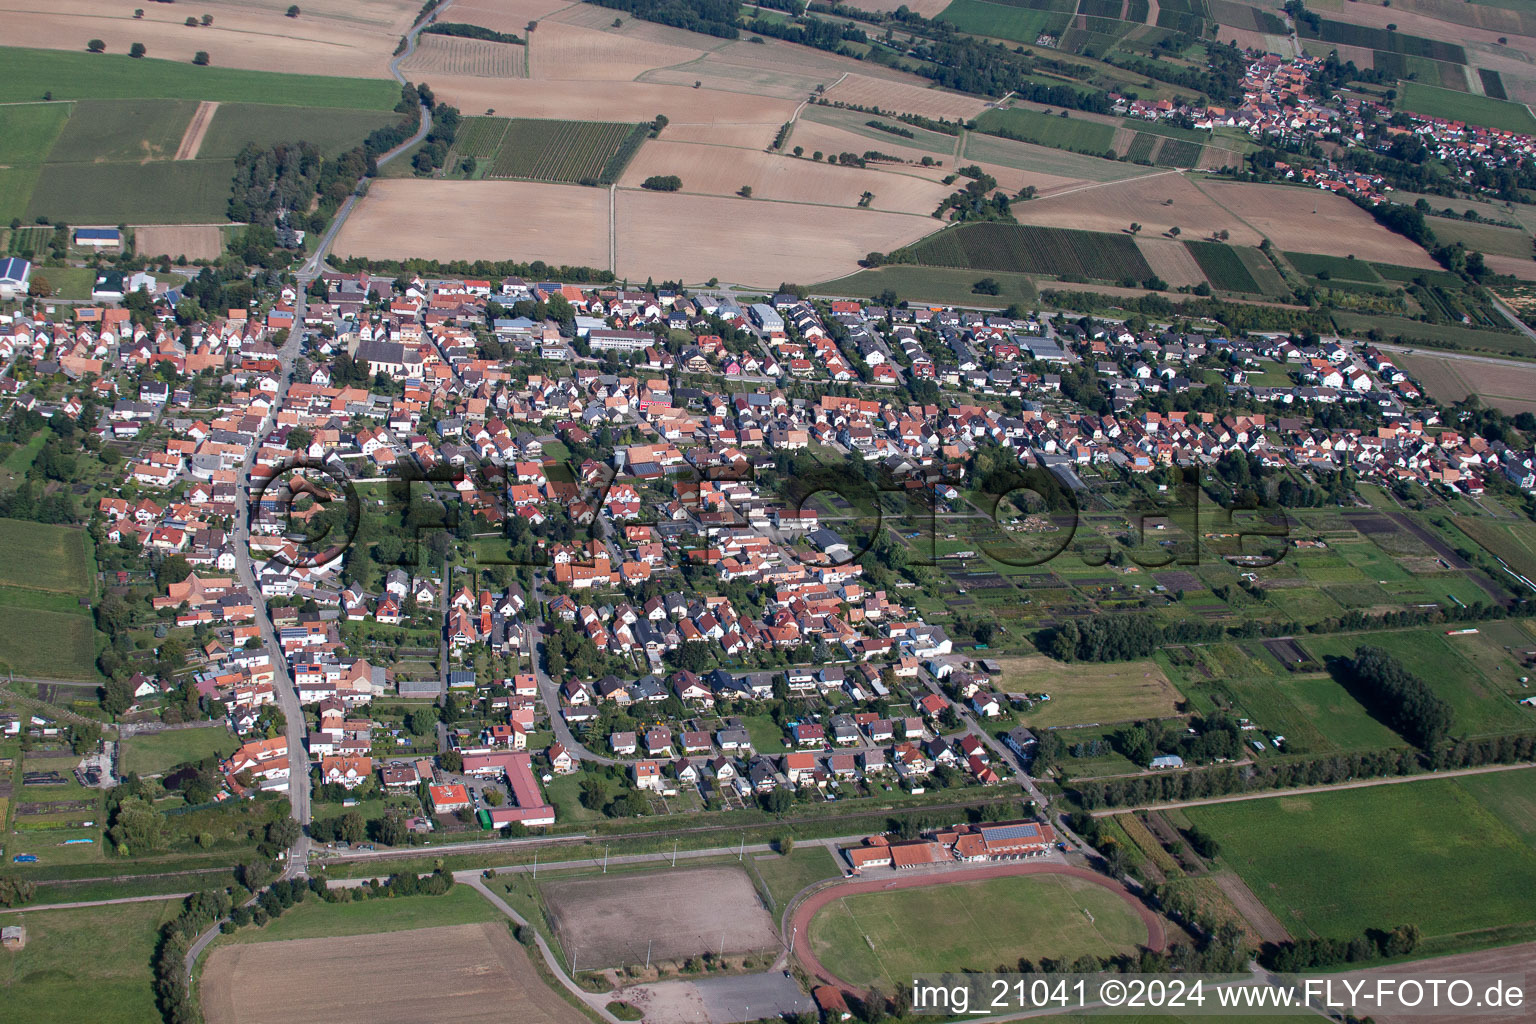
1267	925
1270	794
197	129
798	916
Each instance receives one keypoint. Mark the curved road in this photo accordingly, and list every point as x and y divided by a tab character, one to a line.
799	917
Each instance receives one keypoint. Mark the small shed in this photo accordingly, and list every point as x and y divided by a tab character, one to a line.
13	936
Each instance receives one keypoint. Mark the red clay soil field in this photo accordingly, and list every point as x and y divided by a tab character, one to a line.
612	920
461	974
802	913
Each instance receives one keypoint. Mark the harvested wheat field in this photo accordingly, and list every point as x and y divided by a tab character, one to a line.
1507	386
1515	266
1310	220
448	220
1171	261
505	15
721	171
570	52
866	91
813	137
742	136
718	73
927	8
1145	201
194	241
615	101
449	55
608	921
751	241
333	41
461	974
197	129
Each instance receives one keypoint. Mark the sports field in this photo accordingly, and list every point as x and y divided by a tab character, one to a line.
1089	693
888	937
608	921
1433	101
84	965
1429	853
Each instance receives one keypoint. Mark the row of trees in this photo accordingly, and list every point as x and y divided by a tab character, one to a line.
1399	698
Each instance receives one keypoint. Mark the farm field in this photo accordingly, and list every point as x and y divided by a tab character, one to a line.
1432	101
1089	694
28	131
607	922
886	937
748	241
38	556
448	220
454	55
87	964
460	974
1072	132
569	151
1171	260
1514	542
561	51
1157	201
904	97
1488	239
122	131
159	752
1066	168
935	284
1481	704
1336	267
330	38
721	171
162	192
1441	845
856	122
1035	250
1223	265
1447	336
334	130
194	241
1006	21
620	101
1305	220
25	74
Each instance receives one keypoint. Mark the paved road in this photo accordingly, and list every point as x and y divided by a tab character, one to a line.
1270	794
549	690
287	695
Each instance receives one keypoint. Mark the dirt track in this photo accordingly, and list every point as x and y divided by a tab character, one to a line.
197	128
800	917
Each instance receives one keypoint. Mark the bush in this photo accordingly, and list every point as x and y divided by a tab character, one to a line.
96	46
137	50
201	59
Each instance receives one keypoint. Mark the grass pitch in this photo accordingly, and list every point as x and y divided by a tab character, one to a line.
1430	853
888	937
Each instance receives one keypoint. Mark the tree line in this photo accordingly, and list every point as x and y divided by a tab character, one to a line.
1398	697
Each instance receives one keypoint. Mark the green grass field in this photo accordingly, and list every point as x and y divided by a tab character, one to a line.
1070	132
1480	705
43	557
786	876
78	965
162	192
122	131
316	919
890	936
49	645
1314	713
1004	21
159	752
1084	694
28	131
333	130
935	284
1433	101
1336	267
1027	156
1429	853
26	74
16	184
1515	542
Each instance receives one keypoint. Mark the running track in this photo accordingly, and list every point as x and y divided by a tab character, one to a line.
800	916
